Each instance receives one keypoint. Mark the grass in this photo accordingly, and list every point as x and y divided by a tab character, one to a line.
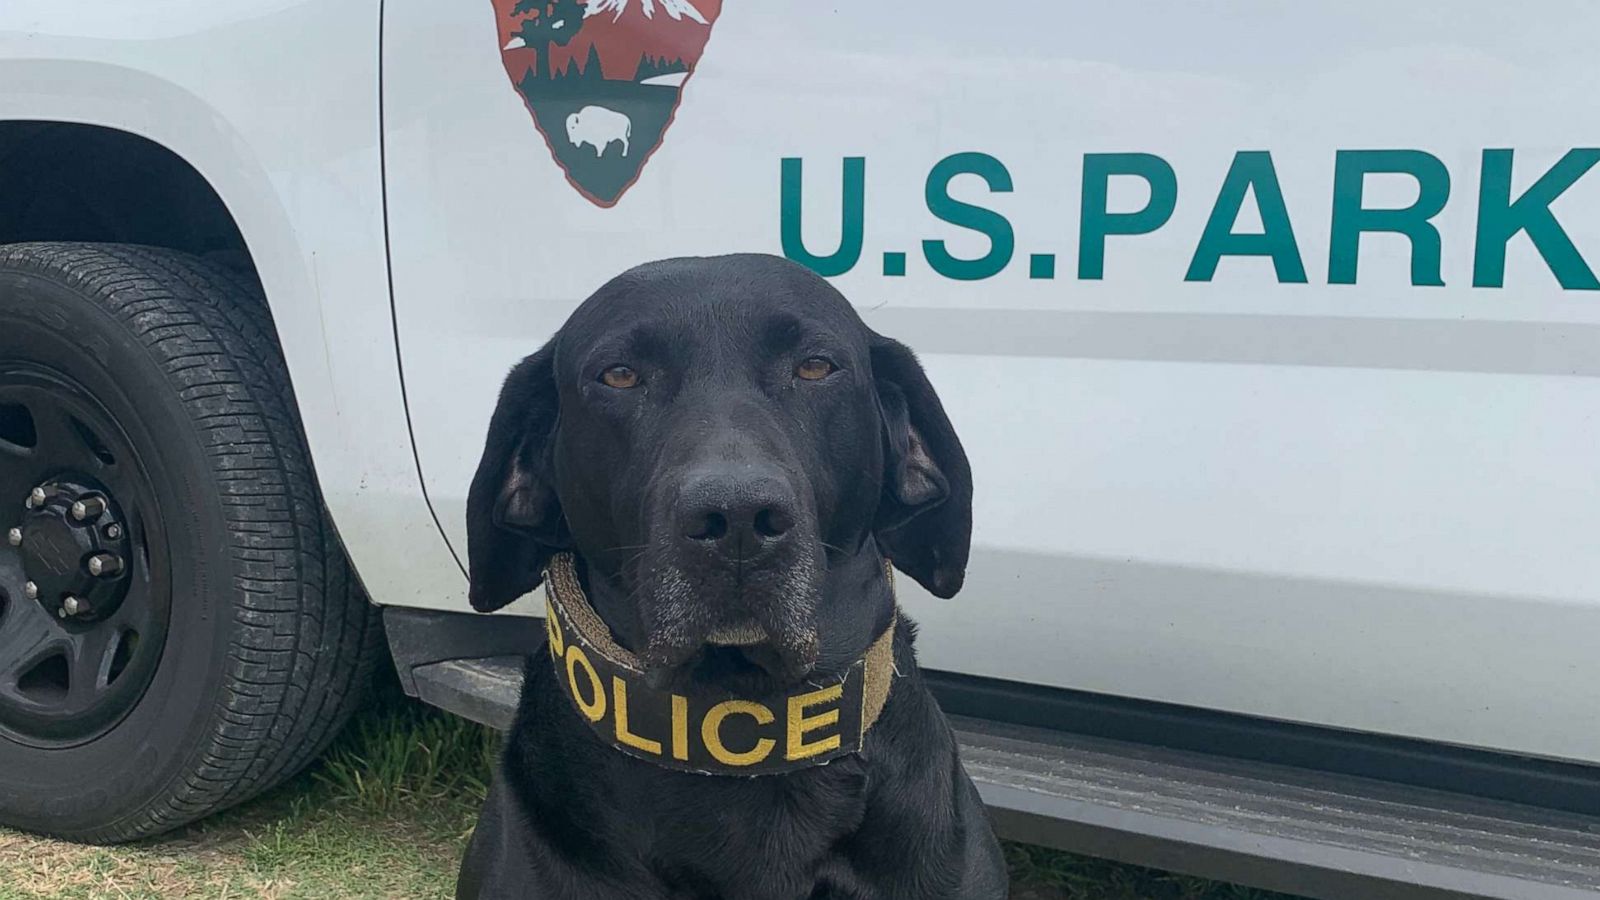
1039	872
387	813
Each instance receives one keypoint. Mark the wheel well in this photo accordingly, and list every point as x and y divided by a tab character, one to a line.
70	182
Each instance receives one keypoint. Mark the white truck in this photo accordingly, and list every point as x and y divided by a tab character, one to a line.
1272	331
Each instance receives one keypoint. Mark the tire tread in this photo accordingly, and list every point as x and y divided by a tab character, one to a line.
305	640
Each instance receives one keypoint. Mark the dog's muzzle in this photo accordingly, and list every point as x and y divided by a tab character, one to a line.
706	731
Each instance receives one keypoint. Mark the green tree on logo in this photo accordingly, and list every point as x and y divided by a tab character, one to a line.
548	22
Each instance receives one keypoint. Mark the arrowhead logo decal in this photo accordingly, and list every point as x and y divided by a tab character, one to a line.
603	79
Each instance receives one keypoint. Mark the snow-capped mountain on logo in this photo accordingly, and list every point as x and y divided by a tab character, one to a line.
603	79
677	9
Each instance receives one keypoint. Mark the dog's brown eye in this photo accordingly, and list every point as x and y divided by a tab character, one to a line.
620	377
814	369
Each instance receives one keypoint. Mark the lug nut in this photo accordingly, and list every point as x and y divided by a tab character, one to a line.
72	606
113	532
88	508
31	591
105	564
14	536
36	497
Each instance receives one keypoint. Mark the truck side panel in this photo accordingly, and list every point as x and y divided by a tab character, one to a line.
1279	400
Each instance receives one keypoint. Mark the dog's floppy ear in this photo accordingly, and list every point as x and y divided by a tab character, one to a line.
924	518
514	520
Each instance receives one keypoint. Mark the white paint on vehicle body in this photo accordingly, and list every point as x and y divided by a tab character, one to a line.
1363	506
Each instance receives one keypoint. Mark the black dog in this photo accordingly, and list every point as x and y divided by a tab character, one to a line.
714	458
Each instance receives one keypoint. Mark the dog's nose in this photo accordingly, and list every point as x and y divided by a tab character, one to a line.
738	516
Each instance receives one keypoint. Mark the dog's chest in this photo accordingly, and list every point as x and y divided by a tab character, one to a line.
772	838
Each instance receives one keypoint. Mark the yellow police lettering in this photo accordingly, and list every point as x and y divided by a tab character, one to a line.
595	709
552	628
800	724
680	727
711	732
619	704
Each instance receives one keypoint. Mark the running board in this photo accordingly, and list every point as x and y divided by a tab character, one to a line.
1276	827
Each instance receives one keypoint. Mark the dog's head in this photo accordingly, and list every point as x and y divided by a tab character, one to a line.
716	439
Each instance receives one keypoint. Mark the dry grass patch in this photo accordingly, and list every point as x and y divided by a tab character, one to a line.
386	815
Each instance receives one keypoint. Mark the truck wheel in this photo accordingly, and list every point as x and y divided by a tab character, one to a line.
179	628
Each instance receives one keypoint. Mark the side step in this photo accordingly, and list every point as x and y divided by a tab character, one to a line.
1276	827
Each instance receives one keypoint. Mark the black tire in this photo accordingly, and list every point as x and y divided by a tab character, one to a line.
269	641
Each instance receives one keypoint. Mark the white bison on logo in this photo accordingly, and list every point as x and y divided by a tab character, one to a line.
598	127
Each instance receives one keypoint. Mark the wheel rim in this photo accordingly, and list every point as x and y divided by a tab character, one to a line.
85	588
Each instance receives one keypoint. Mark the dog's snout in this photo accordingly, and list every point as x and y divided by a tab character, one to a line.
738	515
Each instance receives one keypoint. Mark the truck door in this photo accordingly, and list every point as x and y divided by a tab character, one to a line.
1271	331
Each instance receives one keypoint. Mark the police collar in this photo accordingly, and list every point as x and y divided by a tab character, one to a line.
712	733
